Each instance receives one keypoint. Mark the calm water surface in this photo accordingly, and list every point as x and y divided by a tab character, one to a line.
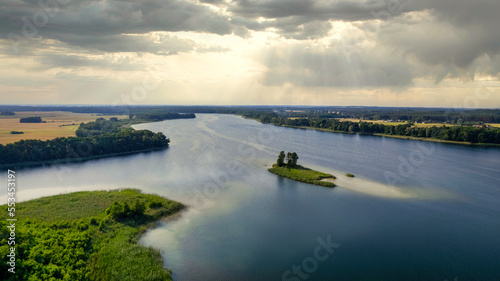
440	221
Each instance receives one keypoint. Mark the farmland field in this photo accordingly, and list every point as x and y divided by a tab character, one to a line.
58	124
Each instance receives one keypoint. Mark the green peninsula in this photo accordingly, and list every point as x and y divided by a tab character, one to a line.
287	167
86	236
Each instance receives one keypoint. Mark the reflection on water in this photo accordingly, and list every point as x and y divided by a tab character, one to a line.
440	221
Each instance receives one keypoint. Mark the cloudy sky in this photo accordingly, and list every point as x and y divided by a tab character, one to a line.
236	52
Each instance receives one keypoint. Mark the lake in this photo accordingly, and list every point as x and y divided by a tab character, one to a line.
415	210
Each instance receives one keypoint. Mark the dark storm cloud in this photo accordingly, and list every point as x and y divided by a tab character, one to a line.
332	68
98	24
448	38
469	29
213	2
440	36
309	10
461	32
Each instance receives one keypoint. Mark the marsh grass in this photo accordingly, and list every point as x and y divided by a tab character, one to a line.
71	237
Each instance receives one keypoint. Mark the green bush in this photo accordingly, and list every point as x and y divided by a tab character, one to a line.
155	205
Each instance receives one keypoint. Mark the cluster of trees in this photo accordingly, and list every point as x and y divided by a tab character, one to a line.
99	127
289	160
47	251
449	133
125	141
113	125
8	113
122	211
35	119
16	132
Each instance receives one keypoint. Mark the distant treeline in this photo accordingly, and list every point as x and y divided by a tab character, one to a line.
35	119
99	127
448	115
126	140
162	116
137	109
448	133
103	126
8	113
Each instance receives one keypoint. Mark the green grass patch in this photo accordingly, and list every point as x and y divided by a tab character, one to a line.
302	174
349	175
72	237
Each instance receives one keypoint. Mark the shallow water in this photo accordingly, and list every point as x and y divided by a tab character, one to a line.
414	211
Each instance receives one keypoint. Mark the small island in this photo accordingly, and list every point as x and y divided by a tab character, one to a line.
286	166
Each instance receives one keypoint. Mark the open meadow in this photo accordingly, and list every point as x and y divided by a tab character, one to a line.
58	124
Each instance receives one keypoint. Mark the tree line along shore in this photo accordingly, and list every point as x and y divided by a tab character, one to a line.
471	135
98	139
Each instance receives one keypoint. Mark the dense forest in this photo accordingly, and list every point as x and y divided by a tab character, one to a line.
74	148
469	134
113	125
100	126
94	139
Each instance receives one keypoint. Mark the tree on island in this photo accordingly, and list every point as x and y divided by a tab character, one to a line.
295	157
291	159
281	159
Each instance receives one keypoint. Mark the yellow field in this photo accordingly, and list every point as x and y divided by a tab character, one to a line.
58	124
434	124
371	121
418	125
494	125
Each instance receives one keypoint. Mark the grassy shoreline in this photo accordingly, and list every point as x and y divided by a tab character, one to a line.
303	174
75	237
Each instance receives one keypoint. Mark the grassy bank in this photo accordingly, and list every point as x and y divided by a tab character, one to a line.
86	236
303	174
